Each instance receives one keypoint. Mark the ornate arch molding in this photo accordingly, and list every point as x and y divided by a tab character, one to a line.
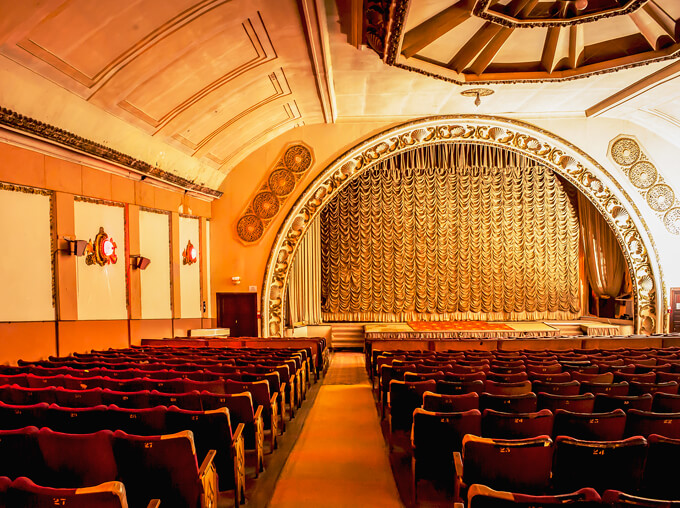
573	164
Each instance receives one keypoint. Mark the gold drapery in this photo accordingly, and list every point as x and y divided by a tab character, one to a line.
303	297
605	265
451	232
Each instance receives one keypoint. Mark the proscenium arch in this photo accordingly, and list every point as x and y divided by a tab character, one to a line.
577	167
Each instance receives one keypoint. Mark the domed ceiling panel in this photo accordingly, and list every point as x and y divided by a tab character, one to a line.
508	41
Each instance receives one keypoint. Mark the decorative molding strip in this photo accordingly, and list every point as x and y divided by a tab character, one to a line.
98	201
631	157
53	134
279	183
565	159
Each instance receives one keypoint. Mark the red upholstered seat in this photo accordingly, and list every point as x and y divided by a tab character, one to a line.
666	403
404	398
481	496
558	377
660	479
647	377
644	423
423	376
187	400
23	492
77	398
606	377
443	403
500	388
133	400
77	460
637	388
142	422
605	403
590	426
500	425
525	403
500	377
583	403
19	416
564	388
20	453
521	465
600	464
620	388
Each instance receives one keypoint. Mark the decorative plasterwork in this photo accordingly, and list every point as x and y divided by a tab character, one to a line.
556	153
273	193
498	52
552	13
52	134
629	154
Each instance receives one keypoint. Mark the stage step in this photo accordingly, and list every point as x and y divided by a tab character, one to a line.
348	335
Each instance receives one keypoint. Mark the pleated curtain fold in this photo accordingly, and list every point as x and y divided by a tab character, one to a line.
304	280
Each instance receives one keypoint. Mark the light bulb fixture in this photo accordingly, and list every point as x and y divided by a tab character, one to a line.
102	251
581	4
190	254
236	280
477	93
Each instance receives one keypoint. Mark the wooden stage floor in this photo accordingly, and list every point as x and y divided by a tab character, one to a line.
461	330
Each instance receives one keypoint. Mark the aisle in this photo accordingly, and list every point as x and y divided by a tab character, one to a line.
340	459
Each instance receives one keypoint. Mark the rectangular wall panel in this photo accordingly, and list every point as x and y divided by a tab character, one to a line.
189	274
154	243
101	289
25	258
208	250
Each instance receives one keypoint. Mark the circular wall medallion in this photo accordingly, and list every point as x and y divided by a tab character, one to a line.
643	174
625	151
672	221
249	228
282	182
660	197
266	205
297	158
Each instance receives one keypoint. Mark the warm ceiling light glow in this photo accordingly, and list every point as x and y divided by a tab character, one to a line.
108	247
193	254
581	4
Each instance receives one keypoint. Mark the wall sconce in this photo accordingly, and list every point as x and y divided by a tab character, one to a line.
102	251
190	254
236	280
75	247
139	262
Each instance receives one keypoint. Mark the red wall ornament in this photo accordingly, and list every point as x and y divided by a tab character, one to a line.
102	251
190	254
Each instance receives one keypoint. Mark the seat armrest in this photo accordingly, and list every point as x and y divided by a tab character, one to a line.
154	503
458	505
238	455
458	478
274	398
258	412
207	475
207	462
458	464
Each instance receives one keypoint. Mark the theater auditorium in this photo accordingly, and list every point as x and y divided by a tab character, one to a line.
339	253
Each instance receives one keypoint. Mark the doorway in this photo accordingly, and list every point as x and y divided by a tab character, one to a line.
675	310
238	312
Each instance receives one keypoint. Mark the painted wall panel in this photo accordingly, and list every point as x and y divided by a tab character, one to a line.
25	259
189	275
101	289
208	250
154	243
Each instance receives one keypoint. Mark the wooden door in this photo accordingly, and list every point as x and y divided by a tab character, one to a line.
675	310
238	312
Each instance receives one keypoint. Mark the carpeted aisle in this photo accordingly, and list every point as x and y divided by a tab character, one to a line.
340	458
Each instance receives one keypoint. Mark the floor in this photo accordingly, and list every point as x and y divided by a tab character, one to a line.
340	458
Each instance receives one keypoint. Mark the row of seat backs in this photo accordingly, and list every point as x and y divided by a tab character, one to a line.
481	496
211	429
23	492
539	465
611	426
161	467
179	385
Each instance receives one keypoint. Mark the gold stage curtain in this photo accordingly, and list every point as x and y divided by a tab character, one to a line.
605	265
304	280
451	232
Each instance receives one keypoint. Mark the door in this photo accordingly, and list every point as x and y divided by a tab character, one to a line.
238	312
675	310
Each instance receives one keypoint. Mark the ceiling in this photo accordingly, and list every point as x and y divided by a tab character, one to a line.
183	90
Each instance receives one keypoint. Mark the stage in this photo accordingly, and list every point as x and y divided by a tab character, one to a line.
460	330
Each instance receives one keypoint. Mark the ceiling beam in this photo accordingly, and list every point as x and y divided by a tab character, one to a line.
576	46
490	51
658	78
549	58
476	44
432	29
652	28
356	23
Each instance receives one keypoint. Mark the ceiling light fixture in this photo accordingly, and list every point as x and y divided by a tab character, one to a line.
477	93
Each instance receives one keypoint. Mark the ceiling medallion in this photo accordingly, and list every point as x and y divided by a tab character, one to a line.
672	221
477	93
660	197
553	12
643	174
102	251
625	151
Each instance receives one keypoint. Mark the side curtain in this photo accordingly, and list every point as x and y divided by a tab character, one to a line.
451	232
303	292
605	265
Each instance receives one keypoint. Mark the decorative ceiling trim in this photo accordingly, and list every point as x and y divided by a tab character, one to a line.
385	23
52	134
565	159
483	9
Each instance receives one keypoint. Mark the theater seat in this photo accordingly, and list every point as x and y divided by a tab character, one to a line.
501	425
404	398
601	465
583	403
605	403
521	465
24	493
660	479
565	388
481	496
666	403
20	454
645	423
525	403
443	403
590	426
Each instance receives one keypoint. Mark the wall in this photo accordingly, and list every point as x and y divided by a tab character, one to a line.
55	303
329	141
